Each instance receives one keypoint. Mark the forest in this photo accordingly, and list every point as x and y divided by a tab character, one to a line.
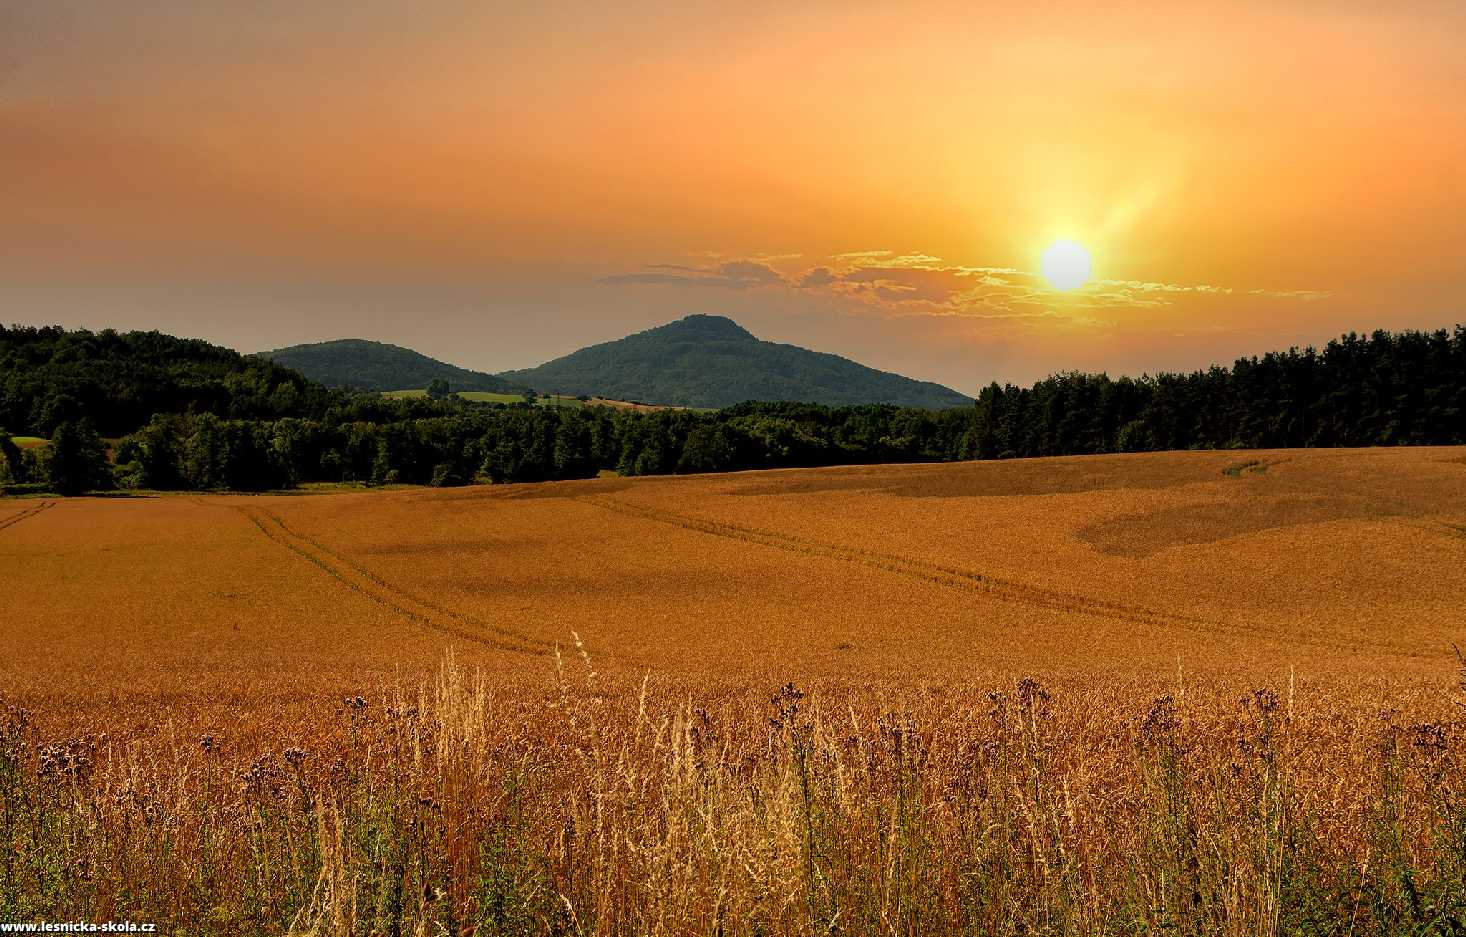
147	411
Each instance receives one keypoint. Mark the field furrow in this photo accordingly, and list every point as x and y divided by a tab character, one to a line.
412	598
997	588
413	608
25	514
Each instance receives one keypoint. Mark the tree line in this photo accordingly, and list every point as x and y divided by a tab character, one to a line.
1386	389
1406	388
516	443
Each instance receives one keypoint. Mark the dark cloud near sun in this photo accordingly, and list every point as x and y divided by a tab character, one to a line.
670	279
681	268
749	272
732	274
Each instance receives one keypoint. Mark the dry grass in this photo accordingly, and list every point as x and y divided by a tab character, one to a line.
1078	695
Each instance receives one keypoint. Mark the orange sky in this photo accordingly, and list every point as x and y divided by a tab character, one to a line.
878	180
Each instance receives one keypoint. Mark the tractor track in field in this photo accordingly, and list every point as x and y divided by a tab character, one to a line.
24	514
414	608
1003	590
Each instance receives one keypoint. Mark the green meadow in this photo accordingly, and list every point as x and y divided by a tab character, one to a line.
487	396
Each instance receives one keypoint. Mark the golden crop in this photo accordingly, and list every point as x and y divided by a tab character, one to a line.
1214	692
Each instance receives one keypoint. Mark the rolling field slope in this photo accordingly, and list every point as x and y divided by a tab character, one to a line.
1197	693
1336	563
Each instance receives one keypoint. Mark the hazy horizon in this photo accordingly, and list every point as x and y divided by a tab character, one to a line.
499	188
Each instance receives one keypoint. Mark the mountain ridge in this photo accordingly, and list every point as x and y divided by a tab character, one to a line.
362	364
706	360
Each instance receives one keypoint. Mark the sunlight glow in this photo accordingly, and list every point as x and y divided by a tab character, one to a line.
1066	265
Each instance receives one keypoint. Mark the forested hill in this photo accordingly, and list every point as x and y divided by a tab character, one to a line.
364	365
118	380
202	417
711	361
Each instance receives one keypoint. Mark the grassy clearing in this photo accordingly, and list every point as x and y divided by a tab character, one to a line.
28	442
547	400
28	490
484	396
612	809
340	487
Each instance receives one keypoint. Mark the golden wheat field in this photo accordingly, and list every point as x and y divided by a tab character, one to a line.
1339	564
1207	692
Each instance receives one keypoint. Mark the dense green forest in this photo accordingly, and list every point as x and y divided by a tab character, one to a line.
237	423
118	380
363	365
712	361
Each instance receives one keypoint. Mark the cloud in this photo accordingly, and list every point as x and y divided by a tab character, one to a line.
731	274
819	276
1140	286
748	272
913	260
1306	296
624	279
775	258
908	284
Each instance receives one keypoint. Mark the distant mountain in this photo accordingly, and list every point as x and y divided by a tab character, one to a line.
712	361
364	365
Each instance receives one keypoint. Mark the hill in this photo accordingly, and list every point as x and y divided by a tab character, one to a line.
366	365
712	361
118	380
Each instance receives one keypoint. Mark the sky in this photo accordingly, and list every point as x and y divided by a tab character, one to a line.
496	185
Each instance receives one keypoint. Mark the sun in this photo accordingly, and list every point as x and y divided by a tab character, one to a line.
1066	265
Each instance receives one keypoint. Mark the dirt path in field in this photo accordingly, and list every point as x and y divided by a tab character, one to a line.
21	515
1003	590
409	605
